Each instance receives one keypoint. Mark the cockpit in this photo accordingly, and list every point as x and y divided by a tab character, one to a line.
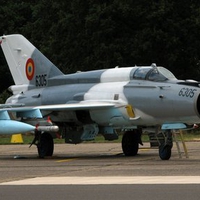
153	73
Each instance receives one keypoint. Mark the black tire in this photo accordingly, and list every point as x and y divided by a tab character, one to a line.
45	146
165	152
130	143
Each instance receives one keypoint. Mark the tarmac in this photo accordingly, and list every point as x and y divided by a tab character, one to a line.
100	168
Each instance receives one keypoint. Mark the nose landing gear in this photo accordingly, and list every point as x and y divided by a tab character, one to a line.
165	144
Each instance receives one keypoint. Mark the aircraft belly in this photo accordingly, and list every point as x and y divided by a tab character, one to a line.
110	117
64	116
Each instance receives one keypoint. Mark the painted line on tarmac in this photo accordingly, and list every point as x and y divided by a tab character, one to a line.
107	180
66	160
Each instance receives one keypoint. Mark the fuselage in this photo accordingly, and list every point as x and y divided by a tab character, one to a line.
153	93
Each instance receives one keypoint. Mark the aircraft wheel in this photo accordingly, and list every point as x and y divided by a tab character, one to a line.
45	145
130	143
165	152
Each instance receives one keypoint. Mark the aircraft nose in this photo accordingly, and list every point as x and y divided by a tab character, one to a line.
198	105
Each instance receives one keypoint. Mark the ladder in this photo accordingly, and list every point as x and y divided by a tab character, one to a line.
178	138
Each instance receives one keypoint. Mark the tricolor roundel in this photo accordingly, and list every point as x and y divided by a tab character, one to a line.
30	69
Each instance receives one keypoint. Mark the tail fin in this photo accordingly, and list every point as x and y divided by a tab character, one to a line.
27	64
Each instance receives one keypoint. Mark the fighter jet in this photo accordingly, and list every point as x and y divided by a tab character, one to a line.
128	100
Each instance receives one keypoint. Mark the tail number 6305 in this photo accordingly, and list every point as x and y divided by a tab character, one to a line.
41	80
187	92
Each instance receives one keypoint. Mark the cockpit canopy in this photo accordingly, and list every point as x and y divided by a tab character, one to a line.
151	73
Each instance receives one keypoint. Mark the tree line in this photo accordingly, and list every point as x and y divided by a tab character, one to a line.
87	35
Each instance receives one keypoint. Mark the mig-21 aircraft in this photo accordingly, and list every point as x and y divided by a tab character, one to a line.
131	100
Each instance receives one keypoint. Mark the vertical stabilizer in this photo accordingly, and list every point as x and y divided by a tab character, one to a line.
27	64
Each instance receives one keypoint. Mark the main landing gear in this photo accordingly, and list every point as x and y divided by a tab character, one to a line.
44	143
132	139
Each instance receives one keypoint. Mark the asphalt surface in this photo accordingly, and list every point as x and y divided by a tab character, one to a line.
20	164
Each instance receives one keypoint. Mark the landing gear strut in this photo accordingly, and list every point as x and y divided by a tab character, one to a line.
131	141
165	145
44	143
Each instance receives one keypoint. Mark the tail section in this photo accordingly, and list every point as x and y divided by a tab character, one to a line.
28	66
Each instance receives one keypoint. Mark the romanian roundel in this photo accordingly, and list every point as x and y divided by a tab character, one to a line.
30	69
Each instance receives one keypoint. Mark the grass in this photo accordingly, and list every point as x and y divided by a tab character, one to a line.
28	138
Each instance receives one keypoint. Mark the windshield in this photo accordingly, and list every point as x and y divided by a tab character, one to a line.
141	72
153	74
